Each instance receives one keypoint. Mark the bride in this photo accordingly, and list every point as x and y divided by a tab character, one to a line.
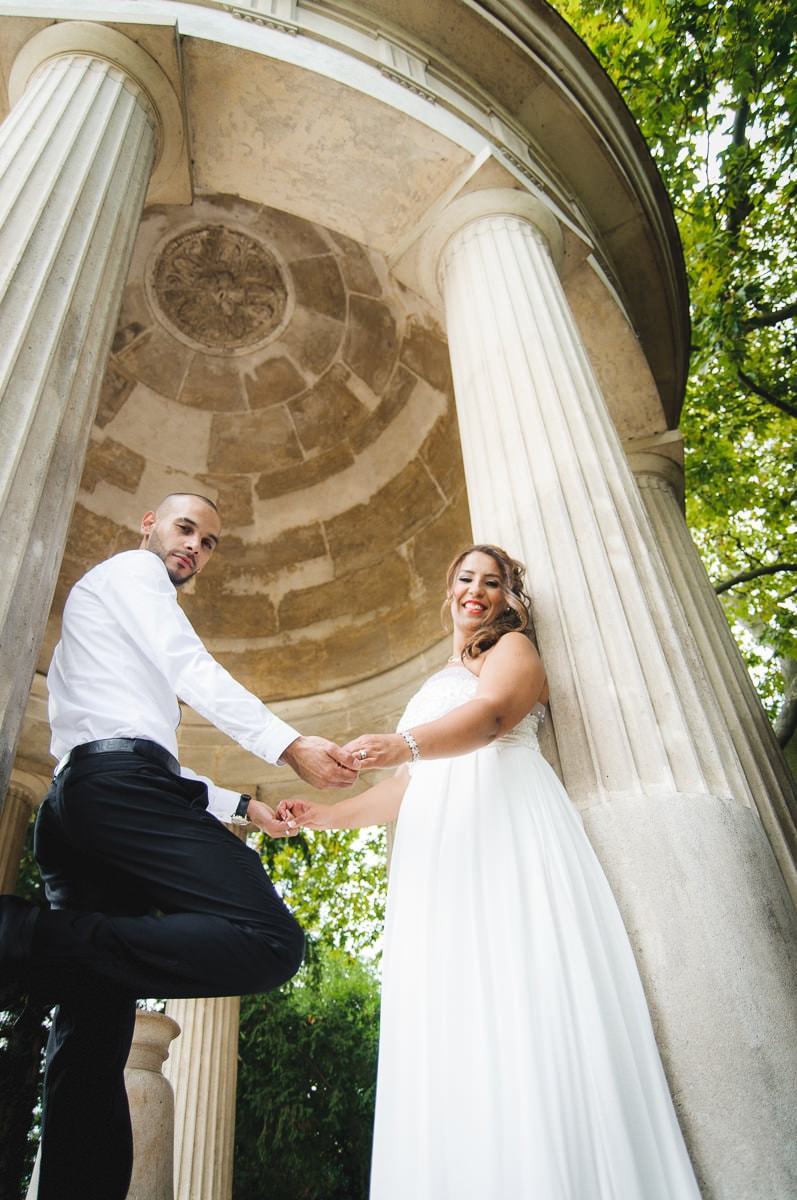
516	1058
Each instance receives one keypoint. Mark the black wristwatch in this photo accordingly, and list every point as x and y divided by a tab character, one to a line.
239	817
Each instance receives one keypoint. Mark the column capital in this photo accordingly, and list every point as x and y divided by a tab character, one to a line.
170	181
473	207
30	789
658	461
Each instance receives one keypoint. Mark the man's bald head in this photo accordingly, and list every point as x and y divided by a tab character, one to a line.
183	531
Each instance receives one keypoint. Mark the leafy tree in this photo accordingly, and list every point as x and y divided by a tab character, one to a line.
335	884
306	1085
713	87
307	1052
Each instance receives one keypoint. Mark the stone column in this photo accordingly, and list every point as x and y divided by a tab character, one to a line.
76	155
645	748
19	803
203	1070
657	467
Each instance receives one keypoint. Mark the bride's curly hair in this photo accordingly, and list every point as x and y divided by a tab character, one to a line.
517	614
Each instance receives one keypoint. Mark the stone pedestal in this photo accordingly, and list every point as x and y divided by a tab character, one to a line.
645	746
151	1108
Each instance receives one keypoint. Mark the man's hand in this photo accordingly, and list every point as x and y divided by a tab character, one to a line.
272	823
321	763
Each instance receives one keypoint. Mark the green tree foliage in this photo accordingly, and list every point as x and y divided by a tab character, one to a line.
713	87
307	1052
335	884
306	1082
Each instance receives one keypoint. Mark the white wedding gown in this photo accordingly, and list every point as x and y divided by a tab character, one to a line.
516	1058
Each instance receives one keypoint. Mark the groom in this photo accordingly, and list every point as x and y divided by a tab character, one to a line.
149	893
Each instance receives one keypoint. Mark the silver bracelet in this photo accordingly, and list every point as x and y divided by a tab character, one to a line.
413	745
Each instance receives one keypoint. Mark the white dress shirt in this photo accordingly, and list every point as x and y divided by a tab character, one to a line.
127	651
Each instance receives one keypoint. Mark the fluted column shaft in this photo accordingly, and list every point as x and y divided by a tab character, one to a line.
660	484
203	1070
76	154
645	748
535	428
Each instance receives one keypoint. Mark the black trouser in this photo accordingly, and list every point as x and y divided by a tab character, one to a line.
151	897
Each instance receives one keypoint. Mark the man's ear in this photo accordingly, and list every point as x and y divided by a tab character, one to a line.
147	522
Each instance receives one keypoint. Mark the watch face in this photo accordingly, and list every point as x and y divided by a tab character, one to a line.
236	820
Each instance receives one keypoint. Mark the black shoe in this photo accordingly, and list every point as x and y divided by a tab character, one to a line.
17	919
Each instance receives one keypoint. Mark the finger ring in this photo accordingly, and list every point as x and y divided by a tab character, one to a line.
363	753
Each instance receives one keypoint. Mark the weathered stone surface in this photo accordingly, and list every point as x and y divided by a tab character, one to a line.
248	442
127	334
294	237
302	667
158	360
358	271
312	339
442	455
352	594
319	287
296	545
250	616
282	670
313	470
371	341
435	546
426	353
234	500
272	382
110	462
213	383
410	632
327	413
116	387
403	506
396	395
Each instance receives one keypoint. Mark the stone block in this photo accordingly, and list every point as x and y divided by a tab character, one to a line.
250	442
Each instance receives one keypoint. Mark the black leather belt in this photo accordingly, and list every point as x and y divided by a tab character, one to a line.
140	746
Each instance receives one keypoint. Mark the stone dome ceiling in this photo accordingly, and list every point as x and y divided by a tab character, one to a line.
277	367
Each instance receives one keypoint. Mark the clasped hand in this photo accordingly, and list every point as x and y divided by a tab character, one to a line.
379	750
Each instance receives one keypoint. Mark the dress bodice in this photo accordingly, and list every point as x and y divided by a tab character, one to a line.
453	686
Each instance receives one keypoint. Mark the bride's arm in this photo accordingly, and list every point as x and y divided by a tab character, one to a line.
511	681
376	806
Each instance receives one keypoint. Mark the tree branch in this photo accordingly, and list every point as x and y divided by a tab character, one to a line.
755	573
782	405
767	319
739	196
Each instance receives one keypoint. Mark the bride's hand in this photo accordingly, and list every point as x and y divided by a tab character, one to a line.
305	814
380	750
